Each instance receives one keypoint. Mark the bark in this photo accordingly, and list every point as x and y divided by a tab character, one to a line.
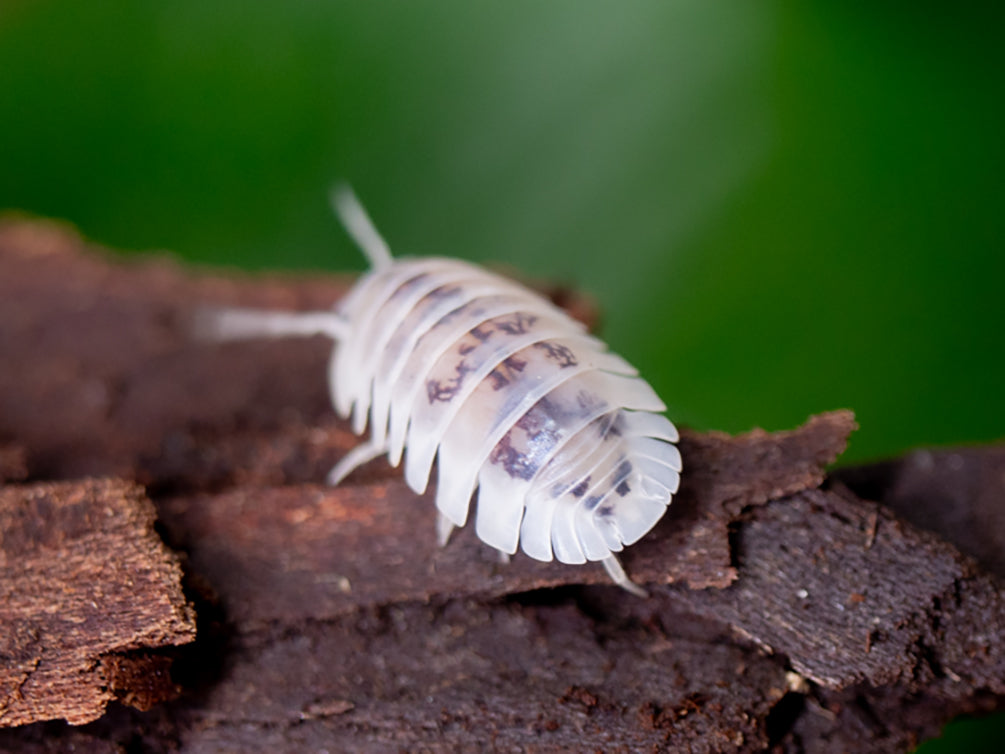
86	589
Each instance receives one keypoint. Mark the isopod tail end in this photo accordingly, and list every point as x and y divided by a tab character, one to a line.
359	226
617	573
444	528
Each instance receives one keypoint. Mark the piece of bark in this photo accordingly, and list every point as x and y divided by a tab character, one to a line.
850	594
507	676
958	494
86	589
313	552
13	464
464	676
339	624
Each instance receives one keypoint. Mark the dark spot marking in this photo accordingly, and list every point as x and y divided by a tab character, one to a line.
544	411
481	334
621	477
470	309
534	419
542	434
445	391
580	489
449	317
606	510
408	285
517	324
563	355
517	365
588	401
444	291
621	474
602	425
516	464
506	372
591	501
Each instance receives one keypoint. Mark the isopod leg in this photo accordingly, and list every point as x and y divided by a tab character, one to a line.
503	557
352	460
444	526
613	567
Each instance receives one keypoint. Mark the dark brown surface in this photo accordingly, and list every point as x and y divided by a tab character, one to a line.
781	615
958	493
85	589
851	595
13	466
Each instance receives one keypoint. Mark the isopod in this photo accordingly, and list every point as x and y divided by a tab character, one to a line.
564	443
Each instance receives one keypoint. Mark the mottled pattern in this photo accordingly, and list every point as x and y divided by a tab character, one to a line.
444	391
507	371
518	324
561	355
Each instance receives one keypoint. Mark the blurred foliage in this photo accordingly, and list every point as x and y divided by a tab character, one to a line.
782	208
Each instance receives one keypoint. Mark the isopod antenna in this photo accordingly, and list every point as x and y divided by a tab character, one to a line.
359	226
244	324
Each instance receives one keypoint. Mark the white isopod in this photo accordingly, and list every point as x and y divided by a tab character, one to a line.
563	441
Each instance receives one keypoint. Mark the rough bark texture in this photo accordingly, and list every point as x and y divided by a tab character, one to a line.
85	587
784	614
959	494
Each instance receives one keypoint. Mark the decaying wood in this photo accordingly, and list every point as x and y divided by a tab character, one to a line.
783	614
86	588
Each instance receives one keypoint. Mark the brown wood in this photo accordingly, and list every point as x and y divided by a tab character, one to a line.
13	466
783	614
86	587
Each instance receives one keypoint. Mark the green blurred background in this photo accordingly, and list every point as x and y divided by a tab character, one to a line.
782	208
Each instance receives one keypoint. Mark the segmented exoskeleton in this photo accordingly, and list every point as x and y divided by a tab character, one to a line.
564	443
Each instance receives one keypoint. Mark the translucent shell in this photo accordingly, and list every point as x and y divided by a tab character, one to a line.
558	438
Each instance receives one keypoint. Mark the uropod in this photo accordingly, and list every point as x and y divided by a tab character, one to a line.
557	442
